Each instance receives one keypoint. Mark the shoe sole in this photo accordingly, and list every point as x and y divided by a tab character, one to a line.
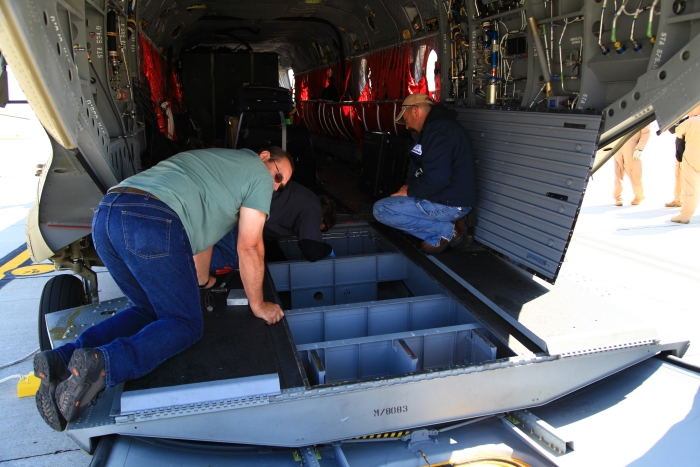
76	393
46	395
455	242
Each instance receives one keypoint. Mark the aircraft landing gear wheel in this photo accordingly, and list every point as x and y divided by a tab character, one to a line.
60	293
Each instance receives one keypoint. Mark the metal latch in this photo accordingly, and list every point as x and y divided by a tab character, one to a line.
420	436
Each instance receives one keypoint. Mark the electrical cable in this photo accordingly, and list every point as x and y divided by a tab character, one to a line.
8	378
535	99
126	65
7	365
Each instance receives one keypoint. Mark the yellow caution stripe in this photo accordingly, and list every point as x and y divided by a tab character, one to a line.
14	263
394	434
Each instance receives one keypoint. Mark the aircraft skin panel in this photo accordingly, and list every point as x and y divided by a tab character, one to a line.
32	42
539	87
548	157
313	416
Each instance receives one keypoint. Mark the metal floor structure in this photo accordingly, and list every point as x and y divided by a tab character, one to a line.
610	258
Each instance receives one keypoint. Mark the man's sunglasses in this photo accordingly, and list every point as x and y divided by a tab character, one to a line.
278	176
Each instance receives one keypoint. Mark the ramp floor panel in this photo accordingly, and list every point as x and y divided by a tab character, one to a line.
235	344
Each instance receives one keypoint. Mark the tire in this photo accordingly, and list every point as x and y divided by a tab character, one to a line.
60	293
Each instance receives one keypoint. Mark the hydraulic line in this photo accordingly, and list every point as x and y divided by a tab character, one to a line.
491	41
650	36
546	48
561	61
603	48
636	45
543	61
551	31
619	48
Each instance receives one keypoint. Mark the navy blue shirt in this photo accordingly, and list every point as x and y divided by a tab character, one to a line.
442	161
295	211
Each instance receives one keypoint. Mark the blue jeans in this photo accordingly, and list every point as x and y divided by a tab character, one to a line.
421	218
225	252
146	249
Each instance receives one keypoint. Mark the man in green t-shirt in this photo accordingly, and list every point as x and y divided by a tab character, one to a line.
154	232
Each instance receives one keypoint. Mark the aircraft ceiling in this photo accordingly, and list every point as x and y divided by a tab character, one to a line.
286	27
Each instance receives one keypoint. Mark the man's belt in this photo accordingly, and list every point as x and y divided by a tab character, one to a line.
133	190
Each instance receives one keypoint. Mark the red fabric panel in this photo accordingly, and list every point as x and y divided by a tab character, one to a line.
154	77
422	84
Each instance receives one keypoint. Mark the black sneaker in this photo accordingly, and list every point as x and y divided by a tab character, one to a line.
51	370
87	380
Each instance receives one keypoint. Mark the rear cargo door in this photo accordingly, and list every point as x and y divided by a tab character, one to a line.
532	170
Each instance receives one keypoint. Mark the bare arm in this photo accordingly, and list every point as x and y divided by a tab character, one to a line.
202	261
251	260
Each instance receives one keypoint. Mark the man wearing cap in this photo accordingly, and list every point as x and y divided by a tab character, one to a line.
441	183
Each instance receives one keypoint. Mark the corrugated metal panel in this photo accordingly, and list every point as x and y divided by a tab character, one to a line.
532	170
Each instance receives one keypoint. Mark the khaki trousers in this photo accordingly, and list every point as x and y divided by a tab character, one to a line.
626	164
678	187
690	169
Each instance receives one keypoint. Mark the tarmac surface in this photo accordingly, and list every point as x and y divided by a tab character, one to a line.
631	256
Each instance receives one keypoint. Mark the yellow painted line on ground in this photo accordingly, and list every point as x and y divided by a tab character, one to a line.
33	270
13	263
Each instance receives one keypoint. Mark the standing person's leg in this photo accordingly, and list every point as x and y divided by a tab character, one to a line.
677	188
421	218
619	166
152	243
633	169
690	168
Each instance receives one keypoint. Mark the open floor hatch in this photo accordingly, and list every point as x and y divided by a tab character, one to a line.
370	343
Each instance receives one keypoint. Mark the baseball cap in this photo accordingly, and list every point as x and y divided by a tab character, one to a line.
413	99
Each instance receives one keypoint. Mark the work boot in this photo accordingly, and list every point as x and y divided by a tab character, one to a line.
433	250
51	370
680	220
458	234
637	200
674	204
618	202
87	380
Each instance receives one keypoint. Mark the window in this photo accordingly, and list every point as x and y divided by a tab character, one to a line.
418	63
430	70
283	79
290	74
